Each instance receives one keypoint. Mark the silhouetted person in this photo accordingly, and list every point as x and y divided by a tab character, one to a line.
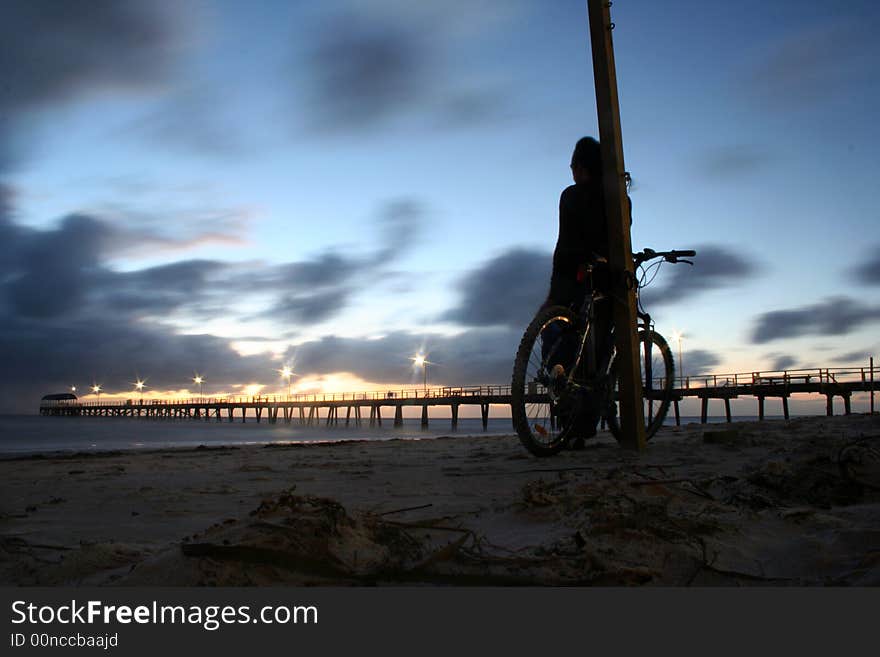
583	238
583	227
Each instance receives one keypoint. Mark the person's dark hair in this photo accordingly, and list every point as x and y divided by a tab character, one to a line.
588	155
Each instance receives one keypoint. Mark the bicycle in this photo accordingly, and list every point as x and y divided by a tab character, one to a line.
559	378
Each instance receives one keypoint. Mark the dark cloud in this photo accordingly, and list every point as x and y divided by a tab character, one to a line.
473	106
309	308
505	291
66	315
733	161
857	356
47	273
835	316
782	362
697	361
53	52
400	223
63	272
50	357
10	233
66	319
479	356
366	70
316	290
158	291
714	267
370	70
868	272
327	270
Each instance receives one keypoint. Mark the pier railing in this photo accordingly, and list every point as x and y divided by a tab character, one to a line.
827	375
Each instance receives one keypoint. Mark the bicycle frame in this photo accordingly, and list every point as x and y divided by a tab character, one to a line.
603	370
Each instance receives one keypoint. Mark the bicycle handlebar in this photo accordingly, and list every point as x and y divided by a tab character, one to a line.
669	256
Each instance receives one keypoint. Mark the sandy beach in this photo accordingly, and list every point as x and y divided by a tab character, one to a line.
771	503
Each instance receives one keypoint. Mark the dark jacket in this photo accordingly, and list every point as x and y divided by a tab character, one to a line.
583	233
583	230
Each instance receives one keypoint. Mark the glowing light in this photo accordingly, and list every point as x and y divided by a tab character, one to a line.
198	379
253	389
286	372
139	385
419	360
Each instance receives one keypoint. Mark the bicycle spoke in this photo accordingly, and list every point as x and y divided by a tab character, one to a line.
536	413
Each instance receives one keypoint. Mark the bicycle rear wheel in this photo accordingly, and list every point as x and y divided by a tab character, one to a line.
541	404
658	378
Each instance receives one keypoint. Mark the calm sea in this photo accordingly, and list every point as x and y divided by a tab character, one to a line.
34	434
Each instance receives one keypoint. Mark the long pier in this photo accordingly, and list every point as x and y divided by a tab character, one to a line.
374	408
330	409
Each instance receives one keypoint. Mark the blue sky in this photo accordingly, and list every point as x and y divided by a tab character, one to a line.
225	187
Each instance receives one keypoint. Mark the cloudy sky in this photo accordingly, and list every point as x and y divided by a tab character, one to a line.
228	187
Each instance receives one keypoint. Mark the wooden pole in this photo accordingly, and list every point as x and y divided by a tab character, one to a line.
632	414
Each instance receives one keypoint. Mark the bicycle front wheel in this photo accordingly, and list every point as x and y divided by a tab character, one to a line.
540	403
658	378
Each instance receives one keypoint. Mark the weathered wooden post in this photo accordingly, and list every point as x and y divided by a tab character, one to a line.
632	414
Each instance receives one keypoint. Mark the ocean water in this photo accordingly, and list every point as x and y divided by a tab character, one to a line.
33	434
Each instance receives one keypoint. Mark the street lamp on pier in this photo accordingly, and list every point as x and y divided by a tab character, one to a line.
419	360
199	379
139	386
286	373
677	336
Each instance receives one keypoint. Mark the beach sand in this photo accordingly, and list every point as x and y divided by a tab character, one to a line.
771	503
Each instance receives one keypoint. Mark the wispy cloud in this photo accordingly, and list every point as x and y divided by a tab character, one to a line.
504	291
196	119
731	162
835	316
366	71
868	271
51	53
697	361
